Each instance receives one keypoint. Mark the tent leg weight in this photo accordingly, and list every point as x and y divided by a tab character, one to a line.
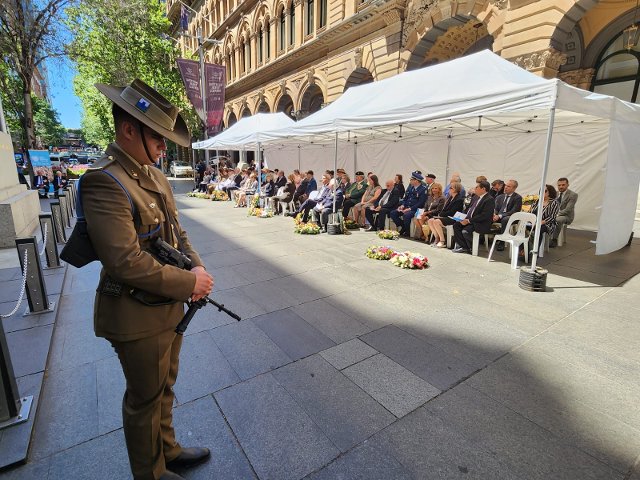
533	281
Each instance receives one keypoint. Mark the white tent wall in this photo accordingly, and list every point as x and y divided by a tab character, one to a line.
580	155
621	183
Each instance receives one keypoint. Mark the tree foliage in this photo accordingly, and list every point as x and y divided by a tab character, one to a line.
49	131
116	41
29	34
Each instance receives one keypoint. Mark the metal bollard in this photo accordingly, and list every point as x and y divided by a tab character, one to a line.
65	209
50	246
13	408
58	222
36	289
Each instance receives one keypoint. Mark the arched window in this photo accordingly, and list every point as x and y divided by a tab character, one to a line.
617	71
267	26
228	62
323	13
309	23
292	24
247	54
283	30
242	57
260	45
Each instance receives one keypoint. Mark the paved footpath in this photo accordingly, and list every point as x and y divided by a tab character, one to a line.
350	368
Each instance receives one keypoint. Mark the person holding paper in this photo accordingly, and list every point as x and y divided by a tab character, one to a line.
479	218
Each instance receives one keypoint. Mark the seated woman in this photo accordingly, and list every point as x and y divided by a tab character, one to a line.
550	209
205	182
454	203
267	189
249	188
399	185
368	200
432	207
287	195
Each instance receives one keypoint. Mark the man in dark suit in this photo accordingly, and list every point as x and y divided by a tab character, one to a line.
507	204
479	218
388	201
281	180
414	198
308	204
567	200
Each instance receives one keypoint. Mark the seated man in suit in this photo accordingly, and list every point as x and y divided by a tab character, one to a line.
309	203
388	201
59	183
567	200
312	186
507	204
41	183
414	198
479	218
281	180
325	203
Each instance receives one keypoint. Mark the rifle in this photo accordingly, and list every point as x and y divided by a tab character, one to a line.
175	257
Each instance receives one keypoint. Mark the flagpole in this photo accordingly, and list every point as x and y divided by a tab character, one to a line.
203	90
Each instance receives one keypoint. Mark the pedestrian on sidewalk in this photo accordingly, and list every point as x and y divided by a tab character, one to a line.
140	300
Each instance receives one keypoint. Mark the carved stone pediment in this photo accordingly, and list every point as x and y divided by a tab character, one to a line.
413	16
549	58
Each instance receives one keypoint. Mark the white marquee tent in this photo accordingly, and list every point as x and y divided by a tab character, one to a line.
480	114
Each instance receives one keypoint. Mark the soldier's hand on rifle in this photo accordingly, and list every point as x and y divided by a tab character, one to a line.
204	283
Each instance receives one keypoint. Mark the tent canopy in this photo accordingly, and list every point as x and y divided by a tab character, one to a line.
246	131
463	101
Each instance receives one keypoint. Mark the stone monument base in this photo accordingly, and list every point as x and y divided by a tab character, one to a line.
19	210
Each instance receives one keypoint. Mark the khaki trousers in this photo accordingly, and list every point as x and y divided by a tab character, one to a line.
150	367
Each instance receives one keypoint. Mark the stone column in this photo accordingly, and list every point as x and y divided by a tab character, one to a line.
581	78
299	23
19	207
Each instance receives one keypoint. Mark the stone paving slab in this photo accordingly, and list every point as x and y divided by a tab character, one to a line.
292	334
529	451
428	448
69	415
203	368
345	413
334	323
426	360
36	341
19	321
268	296
201	423
395	387
248	349
348	353
365	462
278	437
596	432
108	456
110	390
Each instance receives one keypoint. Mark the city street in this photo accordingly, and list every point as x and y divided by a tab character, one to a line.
349	368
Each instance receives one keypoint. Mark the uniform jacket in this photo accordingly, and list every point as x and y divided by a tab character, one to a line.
568	205
415	197
121	238
356	190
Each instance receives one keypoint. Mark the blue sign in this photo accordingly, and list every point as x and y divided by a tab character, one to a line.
40	158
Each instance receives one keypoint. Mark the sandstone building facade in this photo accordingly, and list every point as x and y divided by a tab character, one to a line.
297	55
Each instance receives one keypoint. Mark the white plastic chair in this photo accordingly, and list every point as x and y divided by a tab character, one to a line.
515	240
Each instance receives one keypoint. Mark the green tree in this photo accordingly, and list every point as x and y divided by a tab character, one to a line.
29	34
48	129
116	41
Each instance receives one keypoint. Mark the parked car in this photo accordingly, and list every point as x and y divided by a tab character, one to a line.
178	169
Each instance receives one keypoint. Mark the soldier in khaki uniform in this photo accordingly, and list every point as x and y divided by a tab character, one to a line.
127	204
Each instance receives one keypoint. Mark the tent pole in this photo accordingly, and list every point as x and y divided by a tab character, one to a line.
299	159
335	168
355	156
258	168
543	181
446	168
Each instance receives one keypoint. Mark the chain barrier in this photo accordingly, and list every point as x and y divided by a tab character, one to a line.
24	284
44	239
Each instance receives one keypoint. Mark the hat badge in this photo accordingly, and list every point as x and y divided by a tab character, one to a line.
143	104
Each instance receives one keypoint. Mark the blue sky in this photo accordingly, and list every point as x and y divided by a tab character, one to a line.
68	106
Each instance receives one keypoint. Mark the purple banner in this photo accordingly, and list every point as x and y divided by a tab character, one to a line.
190	72
216	81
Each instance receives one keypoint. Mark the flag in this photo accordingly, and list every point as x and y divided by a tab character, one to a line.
184	18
